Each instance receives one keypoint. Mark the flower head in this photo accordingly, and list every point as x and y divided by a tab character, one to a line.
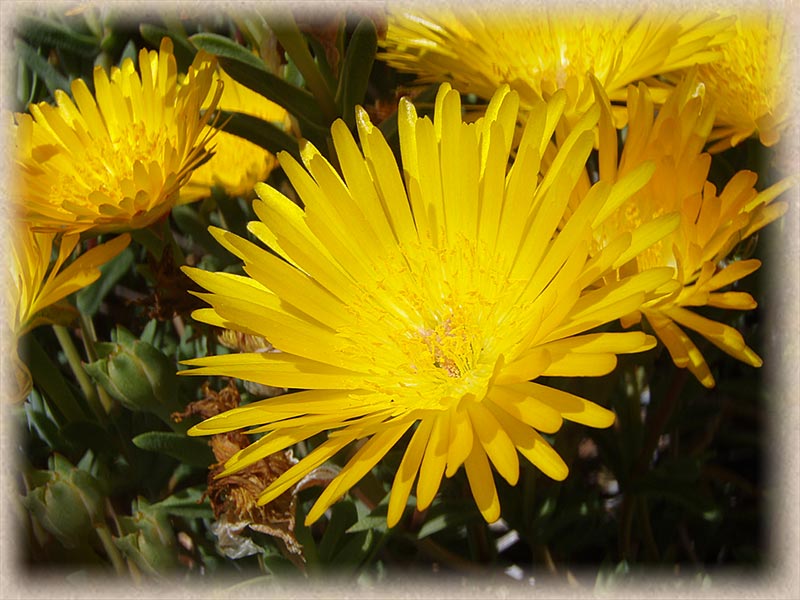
697	225
539	52
116	160
425	307
748	81
237	164
36	284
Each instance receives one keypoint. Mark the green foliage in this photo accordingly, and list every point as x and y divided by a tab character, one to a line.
190	451
65	500
148	539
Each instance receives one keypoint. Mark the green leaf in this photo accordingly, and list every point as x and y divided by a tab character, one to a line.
53	80
374	521
187	450
322	61
48	378
45	428
85	434
251	72
354	552
343	515
88	300
262	133
41	32
188	503
129	51
356	69
282	23
675	486
149	332
183	49
223	47
443	516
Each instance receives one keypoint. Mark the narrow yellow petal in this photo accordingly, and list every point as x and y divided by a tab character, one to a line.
433	463
533	447
296	472
460	441
581	365
569	406
278	370
358	466
481	483
495	442
526	408
407	471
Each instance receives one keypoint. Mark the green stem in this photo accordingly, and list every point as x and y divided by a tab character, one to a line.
454	561
71	352
169	238
626	524
657	421
111	549
649	539
89	340
654	426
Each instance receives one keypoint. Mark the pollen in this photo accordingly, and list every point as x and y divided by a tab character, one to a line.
449	347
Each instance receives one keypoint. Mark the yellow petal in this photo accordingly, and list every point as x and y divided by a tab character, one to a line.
481	483
407	471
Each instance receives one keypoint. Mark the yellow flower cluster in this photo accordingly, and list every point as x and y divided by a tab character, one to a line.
422	303
417	304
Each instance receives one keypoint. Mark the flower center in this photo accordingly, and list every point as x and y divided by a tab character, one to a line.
449	347
106	164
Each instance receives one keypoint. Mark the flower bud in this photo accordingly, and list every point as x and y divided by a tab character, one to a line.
66	501
137	374
149	540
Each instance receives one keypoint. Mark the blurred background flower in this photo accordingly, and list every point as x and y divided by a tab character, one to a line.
237	164
711	224
749	81
536	53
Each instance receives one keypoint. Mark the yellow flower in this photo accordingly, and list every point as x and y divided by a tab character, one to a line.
748	82
35	284
697	227
537	52
237	164
117	161
428	306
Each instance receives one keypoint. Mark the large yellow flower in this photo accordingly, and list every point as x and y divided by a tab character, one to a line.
749	81
115	161
237	164
425	307
35	284
537	52
710	223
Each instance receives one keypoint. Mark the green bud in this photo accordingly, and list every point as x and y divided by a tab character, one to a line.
66	501
149	540
137	374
